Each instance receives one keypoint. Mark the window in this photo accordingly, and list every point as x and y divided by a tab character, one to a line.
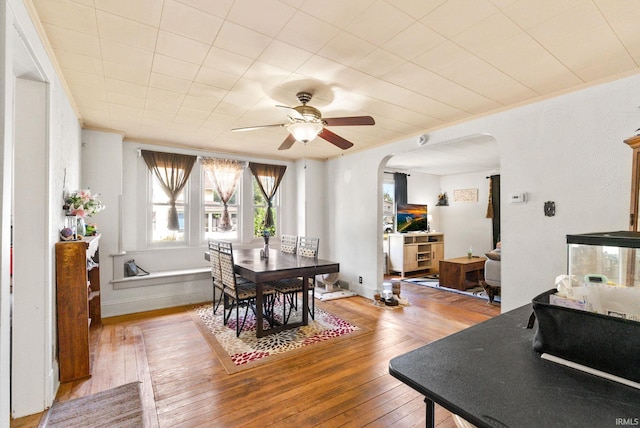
160	206
388	205
202	186
214	208
260	208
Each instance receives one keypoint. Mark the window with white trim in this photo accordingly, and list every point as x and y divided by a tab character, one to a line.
260	209
213	210
160	205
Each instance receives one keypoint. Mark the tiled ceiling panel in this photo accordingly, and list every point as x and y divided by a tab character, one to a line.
185	72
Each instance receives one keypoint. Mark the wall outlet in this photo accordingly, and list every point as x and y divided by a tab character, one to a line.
360	279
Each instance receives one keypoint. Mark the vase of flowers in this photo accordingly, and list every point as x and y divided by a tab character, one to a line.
83	204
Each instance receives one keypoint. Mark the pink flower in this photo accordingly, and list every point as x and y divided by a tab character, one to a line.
80	212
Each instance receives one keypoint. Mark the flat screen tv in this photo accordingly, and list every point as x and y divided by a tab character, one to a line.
411	218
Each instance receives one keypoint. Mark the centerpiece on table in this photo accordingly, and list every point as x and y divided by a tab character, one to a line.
81	204
265	250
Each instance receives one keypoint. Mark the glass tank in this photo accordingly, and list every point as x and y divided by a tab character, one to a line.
605	258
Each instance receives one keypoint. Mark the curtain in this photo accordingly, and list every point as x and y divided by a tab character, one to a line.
400	180
493	207
225	175
172	171
269	178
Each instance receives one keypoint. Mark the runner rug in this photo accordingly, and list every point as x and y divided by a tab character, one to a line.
248	351
477	291
119	407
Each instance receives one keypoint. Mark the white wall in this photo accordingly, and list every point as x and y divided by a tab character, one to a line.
424	189
23	56
112	167
569	149
465	223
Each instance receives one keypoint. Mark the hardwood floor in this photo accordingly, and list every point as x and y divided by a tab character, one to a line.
345	384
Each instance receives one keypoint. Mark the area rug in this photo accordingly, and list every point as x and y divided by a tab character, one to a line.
114	408
477	292
248	351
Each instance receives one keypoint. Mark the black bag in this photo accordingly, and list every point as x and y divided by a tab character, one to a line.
132	269
602	342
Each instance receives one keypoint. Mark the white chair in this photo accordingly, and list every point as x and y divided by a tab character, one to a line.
288	244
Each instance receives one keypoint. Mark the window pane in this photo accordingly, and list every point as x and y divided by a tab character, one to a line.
159	196
258	221
160	214
213	209
159	221
260	210
212	220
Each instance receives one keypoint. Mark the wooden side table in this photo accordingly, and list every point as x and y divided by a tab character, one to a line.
461	272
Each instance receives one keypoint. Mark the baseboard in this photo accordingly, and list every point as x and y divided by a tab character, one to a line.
142	304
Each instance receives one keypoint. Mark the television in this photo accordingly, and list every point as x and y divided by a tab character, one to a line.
411	218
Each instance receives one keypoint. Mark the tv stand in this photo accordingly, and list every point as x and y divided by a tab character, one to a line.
416	251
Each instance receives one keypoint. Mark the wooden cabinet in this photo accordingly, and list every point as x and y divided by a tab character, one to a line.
78	304
409	252
634	143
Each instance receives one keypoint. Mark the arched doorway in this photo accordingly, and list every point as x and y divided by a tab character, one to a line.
464	166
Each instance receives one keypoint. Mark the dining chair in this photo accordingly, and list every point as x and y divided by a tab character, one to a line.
288	244
216	274
237	294
290	288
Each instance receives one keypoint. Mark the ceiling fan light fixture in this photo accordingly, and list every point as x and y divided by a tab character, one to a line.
305	131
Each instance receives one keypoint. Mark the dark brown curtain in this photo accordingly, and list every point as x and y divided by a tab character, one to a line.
400	181
269	178
493	207
172	170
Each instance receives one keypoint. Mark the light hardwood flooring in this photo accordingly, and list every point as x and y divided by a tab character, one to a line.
345	384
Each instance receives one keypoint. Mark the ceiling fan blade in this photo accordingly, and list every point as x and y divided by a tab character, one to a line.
251	128
335	139
287	143
349	121
293	112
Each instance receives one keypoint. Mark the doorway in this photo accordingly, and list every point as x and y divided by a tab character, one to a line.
461	166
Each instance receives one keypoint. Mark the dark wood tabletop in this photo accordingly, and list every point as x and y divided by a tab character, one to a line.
491	376
250	265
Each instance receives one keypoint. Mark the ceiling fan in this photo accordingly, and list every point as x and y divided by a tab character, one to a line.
306	123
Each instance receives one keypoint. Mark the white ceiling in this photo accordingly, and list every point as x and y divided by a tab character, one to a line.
470	154
184	72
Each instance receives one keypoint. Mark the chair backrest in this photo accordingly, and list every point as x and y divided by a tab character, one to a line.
288	244
227	272
214	258
308	247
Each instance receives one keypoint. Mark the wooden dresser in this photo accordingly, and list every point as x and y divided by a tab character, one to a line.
78	304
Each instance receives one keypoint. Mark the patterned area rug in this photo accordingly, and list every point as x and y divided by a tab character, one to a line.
248	351
477	291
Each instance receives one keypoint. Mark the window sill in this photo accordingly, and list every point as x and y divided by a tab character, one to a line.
162	277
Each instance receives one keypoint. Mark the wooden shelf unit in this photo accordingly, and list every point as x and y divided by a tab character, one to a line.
78	304
409	252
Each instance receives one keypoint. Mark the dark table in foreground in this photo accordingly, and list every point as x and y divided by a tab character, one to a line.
278	266
490	375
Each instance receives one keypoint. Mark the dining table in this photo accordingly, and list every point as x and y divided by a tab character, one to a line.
252	264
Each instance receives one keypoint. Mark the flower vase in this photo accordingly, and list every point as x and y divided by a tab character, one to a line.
81	229
266	250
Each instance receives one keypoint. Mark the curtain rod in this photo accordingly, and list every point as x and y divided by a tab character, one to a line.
198	158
